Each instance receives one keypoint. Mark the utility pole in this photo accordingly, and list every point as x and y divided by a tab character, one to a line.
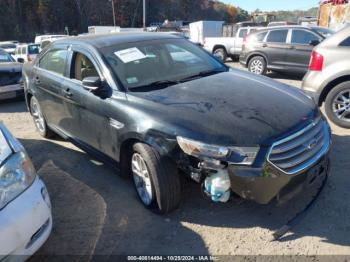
112	1
144	14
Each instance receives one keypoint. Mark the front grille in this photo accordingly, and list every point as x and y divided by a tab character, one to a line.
302	149
9	78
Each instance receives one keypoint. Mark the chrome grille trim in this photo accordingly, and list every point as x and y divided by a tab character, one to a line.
292	155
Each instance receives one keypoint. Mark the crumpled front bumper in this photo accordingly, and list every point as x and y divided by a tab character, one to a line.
262	185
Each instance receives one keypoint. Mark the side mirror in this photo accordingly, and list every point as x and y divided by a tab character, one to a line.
92	83
314	42
20	60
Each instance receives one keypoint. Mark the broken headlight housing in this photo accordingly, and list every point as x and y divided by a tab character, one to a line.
234	155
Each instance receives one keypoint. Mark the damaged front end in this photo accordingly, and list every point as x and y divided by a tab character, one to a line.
260	174
209	165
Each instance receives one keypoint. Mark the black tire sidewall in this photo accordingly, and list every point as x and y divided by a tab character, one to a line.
223	51
260	58
155	165
329	104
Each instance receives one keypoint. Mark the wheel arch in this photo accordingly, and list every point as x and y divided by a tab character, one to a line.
251	56
219	46
330	86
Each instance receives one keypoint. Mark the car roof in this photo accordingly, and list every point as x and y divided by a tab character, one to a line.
290	27
103	40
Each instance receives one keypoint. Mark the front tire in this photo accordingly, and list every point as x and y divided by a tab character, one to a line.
337	105
39	120
156	179
220	53
257	65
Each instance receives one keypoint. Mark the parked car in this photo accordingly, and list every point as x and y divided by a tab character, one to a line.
222	47
286	48
9	47
25	208
154	104
328	78
26	52
11	84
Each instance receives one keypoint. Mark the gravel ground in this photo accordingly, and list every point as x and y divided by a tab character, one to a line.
97	212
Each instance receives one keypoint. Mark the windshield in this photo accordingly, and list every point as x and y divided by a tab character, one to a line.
33	49
5	57
155	62
325	32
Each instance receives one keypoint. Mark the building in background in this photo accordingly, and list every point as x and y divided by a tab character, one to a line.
334	14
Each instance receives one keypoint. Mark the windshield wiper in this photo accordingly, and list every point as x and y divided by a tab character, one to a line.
157	84
203	74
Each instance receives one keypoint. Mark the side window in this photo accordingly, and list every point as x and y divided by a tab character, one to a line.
54	61
346	42
277	36
23	50
17	52
259	37
243	33
303	37
82	67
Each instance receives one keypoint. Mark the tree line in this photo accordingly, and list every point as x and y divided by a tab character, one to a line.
23	19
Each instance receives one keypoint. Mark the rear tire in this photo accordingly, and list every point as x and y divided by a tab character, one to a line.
257	65
156	179
220	53
39	119
337	105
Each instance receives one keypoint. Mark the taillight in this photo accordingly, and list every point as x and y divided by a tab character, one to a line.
29	58
316	61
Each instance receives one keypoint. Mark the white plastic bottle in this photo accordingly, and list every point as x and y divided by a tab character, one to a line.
218	186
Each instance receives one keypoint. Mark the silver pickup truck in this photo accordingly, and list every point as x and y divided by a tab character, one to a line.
223	47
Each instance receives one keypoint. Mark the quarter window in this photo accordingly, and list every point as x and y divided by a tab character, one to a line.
82	67
54	61
259	37
277	36
303	37
243	33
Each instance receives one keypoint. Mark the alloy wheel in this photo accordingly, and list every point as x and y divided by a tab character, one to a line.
37	115
142	179
341	105
257	67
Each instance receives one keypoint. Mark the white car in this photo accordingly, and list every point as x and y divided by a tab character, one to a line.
222	47
26	52
25	208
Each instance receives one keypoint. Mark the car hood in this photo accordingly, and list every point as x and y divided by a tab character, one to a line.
231	108
11	67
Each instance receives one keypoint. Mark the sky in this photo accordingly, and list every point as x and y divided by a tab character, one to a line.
273	5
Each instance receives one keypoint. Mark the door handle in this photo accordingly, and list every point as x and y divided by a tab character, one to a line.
67	93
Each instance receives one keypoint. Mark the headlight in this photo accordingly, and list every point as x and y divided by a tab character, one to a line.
195	148
16	175
235	155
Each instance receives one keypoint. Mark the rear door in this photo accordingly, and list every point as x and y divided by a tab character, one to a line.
300	48
275	48
48	78
241	34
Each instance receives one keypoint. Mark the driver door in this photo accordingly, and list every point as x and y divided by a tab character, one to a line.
88	111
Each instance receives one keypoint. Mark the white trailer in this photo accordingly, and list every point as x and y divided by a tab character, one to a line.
202	29
102	29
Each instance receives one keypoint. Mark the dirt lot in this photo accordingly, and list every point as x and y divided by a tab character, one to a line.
97	212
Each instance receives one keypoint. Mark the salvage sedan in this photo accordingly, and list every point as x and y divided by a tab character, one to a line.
11	84
25	208
155	104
